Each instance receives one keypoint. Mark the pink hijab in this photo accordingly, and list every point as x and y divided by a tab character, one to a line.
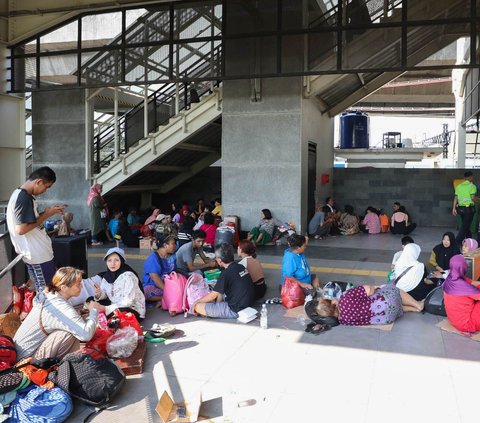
471	244
95	192
152	218
455	284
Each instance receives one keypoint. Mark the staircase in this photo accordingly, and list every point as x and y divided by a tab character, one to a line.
174	136
379	48
175	148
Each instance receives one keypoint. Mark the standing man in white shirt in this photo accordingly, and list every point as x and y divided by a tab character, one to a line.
25	225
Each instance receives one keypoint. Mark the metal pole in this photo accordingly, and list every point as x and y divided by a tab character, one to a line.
145	112
115	120
177	98
88	141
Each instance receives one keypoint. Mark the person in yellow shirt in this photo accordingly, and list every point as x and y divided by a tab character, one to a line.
218	210
464	205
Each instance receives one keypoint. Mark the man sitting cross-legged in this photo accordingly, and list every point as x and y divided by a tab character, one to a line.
233	292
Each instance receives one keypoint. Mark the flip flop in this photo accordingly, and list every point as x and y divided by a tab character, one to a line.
151	339
275	300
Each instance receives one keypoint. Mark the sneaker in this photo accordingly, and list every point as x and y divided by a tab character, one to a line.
95	244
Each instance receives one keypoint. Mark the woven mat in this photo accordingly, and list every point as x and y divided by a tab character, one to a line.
448	327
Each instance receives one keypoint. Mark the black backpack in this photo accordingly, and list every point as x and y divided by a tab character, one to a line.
89	376
434	303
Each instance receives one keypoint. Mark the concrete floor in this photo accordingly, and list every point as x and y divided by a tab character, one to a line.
413	373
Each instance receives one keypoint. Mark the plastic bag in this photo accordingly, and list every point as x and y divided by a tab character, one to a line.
292	293
123	343
128	319
27	303
99	340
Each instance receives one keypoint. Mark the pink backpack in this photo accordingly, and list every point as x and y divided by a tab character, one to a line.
172	299
196	288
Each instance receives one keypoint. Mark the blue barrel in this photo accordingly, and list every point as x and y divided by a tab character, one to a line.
354	130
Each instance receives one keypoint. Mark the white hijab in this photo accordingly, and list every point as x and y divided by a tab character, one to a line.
409	258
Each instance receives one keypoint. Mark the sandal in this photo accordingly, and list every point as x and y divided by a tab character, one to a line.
316	328
162	330
275	300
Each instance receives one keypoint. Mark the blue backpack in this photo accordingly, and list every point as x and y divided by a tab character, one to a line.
40	405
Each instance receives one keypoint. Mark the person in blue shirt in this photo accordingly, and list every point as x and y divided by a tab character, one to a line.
113	224
157	265
295	264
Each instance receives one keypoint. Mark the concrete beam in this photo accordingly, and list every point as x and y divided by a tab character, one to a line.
196	168
165	168
363	92
175	181
194	147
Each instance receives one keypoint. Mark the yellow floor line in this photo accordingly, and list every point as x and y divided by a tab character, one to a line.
337	270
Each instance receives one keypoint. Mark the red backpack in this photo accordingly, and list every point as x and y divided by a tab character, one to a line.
8	354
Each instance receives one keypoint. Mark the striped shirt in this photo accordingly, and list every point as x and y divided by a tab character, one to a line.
57	314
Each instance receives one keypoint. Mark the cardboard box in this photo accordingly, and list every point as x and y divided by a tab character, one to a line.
146	244
168	410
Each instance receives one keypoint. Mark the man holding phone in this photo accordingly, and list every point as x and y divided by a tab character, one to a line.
25	225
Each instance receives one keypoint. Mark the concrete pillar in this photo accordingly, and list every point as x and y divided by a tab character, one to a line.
59	142
12	137
265	150
460	132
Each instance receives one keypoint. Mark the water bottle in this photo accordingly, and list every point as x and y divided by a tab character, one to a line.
264	317
102	320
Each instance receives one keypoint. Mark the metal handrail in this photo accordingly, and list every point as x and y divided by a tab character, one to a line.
330	16
160	97
11	265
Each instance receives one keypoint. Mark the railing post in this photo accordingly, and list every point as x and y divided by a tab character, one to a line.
97	158
177	98
116	139
145	112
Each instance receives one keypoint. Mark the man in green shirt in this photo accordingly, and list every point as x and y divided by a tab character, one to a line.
464	205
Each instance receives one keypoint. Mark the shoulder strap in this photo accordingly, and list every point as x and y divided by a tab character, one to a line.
42	328
402	274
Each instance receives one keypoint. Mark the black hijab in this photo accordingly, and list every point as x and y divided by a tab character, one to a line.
111	277
442	254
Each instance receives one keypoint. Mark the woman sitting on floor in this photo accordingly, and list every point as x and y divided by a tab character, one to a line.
410	273
54	328
246	251
348	221
295	265
369	305
263	233
400	224
441	255
157	265
210	230
318	227
462	297
119	285
371	222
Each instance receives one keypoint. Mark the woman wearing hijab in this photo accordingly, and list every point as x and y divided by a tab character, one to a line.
441	255
410	273
469	245
152	217
119	284
462	297
97	213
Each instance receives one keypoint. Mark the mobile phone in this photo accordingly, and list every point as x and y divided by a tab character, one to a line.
181	411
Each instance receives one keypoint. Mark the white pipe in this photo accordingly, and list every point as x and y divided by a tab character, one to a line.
145	112
88	140
115	115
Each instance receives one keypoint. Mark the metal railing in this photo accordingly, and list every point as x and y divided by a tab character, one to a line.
162	99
